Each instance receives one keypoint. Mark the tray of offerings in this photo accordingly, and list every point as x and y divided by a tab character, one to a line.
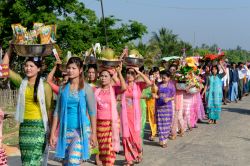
193	90
135	62
108	63
31	50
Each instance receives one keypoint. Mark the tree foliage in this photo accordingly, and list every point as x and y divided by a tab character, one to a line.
78	26
233	55
161	44
168	43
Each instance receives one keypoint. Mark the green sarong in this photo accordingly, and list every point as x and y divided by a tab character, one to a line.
32	142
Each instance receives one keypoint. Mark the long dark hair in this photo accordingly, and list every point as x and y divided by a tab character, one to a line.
165	73
155	69
92	66
216	67
78	62
38	62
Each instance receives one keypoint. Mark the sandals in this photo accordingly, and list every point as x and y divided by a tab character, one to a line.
98	163
210	121
181	133
164	145
151	138
139	158
130	163
172	137
195	126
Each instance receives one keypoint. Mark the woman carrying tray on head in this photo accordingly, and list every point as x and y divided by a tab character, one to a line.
108	121
33	110
214	98
50	77
131	116
75	99
151	111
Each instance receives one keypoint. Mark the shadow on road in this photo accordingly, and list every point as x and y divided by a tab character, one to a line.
119	162
245	139
52	165
151	143
238	110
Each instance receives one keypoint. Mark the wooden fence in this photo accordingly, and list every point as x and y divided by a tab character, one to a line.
8	98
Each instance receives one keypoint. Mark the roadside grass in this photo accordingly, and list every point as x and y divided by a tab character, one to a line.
10	128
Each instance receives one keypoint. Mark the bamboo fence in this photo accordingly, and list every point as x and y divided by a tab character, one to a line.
8	98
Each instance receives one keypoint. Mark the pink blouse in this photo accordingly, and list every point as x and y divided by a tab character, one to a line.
55	88
104	105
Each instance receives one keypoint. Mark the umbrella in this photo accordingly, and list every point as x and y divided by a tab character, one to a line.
170	58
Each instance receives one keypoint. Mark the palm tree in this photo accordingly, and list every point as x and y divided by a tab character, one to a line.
165	40
149	52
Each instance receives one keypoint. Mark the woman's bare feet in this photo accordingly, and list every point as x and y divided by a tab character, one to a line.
172	137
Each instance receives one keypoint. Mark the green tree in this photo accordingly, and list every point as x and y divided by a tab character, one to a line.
233	55
77	26
168	43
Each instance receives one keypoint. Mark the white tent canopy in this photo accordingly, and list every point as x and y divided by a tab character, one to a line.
170	58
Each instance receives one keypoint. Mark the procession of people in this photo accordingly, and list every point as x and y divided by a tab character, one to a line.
99	109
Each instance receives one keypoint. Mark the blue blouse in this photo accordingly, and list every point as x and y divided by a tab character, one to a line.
73	107
72	113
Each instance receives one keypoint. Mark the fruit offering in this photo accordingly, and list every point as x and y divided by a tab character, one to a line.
108	54
107	59
40	34
135	54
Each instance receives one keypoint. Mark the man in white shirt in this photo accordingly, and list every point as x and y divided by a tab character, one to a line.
247	83
241	72
225	81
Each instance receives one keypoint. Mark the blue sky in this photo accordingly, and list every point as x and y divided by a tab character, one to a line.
224	22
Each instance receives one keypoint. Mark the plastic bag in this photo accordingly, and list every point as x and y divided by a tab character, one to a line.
19	33
45	33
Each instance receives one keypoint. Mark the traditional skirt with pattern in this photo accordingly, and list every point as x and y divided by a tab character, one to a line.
187	107
214	106
32	142
3	157
104	136
164	115
73	153
214	114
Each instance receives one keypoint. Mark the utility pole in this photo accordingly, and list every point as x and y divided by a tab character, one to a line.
194	44
104	24
194	39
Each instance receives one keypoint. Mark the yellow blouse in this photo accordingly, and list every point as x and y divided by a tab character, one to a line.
32	109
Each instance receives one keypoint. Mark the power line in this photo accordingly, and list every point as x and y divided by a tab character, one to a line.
187	8
191	8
